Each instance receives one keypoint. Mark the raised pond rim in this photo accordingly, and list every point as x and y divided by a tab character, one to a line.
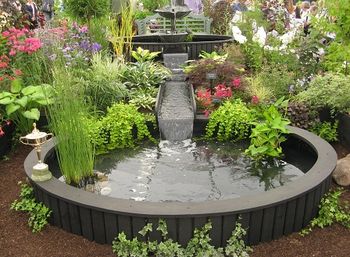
320	171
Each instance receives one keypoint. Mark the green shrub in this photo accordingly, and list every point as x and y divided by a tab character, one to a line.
102	83
38	212
87	9
231	121
326	130
277	80
143	75
117	128
328	91
152	5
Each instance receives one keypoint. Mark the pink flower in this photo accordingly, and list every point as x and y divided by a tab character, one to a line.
2	133
255	99
236	83
83	29
12	52
206	113
5	34
8	122
1	78
18	72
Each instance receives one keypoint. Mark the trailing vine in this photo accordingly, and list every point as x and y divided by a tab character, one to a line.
38	212
198	246
330	211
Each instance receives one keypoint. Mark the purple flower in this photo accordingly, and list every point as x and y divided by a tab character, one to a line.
85	45
95	47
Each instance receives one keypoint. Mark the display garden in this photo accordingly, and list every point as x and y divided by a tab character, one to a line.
162	132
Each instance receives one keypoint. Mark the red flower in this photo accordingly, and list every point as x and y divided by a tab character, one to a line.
236	83
221	91
1	78
255	99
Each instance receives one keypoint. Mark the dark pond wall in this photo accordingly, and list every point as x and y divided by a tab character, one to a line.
266	216
344	129
207	43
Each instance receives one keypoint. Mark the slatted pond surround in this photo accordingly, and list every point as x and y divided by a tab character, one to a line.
266	216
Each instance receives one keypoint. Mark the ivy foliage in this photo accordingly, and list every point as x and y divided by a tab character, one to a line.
330	211
231	121
198	246
38	212
123	126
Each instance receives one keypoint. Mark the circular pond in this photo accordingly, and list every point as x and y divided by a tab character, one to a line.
266	215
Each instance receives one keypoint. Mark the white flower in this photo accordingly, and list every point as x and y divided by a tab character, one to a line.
270	48
320	51
260	36
238	17
287	37
237	35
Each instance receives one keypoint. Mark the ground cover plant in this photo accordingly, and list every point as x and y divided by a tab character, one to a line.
38	212
199	244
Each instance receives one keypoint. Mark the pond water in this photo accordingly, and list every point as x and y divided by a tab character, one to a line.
191	171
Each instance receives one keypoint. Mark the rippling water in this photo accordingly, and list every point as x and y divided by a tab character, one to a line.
190	171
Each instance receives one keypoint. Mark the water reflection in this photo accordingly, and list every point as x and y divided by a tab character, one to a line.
191	171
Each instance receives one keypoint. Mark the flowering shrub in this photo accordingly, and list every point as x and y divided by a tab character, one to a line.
15	46
74	45
10	14
21	40
209	101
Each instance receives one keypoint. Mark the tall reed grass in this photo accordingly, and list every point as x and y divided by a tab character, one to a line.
67	118
121	30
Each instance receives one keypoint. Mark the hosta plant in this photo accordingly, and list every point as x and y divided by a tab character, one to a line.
22	104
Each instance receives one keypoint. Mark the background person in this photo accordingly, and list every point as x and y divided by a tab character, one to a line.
31	10
47	9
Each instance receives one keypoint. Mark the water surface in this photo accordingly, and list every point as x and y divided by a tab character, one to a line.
190	171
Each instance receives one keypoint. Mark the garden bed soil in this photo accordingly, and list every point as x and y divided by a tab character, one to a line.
16	239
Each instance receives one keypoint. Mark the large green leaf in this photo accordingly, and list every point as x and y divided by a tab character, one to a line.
45	101
29	90
22	101
11	108
16	86
6	100
5	94
33	114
